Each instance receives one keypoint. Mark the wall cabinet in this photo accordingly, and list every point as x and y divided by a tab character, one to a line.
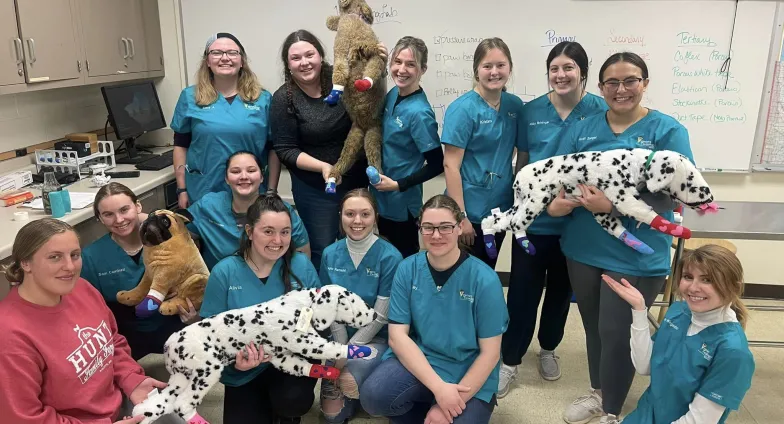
65	43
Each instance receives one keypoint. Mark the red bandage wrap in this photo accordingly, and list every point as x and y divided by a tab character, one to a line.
667	227
322	371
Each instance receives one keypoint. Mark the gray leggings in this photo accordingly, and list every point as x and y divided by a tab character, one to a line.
606	320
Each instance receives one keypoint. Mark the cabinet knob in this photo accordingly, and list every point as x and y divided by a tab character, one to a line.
20	72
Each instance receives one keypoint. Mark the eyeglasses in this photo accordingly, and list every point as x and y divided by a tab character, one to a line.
628	83
217	54
428	230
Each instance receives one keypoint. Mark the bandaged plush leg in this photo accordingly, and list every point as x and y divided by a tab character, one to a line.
348	385
635	243
149	305
522	240
490	248
662	225
331	186
364	84
334	95
324	371
373	175
363	352
196	419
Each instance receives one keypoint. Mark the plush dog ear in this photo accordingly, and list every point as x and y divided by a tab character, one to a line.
184	214
366	13
662	171
325	308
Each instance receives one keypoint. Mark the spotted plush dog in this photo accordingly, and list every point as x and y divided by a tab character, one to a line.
620	174
286	328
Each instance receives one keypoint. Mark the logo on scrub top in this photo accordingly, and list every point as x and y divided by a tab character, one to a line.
512	115
705	352
466	297
370	273
646	144
252	107
399	122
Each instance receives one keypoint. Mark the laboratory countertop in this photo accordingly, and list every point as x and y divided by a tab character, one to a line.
738	220
146	181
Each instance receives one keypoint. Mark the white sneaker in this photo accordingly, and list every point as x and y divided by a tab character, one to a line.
584	409
548	365
609	419
505	378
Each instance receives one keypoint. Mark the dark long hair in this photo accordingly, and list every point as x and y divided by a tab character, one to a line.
269	203
112	189
627	57
326	69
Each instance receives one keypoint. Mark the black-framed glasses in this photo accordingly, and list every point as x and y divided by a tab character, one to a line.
428	230
628	83
217	54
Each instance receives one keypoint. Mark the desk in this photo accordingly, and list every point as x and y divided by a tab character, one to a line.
738	221
149	186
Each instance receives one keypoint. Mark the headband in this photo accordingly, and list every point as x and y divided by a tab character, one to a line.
223	35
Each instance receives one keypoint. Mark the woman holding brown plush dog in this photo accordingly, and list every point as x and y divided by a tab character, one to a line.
308	135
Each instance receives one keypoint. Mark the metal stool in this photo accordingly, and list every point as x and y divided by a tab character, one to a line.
690	244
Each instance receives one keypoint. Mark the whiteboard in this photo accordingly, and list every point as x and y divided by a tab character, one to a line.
769	146
684	43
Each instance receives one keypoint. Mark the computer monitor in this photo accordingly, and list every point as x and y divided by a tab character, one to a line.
134	109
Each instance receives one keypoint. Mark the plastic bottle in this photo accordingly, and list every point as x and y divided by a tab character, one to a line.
50	185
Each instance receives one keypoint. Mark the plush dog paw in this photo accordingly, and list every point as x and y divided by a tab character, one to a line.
148	307
323	371
490	248
331	186
361	352
635	243
334	97
526	244
364	84
373	175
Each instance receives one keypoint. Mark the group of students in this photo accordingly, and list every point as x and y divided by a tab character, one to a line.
449	343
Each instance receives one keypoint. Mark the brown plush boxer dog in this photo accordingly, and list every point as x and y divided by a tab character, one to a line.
174	269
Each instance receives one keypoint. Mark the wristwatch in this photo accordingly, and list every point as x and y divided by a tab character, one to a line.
181	190
463	215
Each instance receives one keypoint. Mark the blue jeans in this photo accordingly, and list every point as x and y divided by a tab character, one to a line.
360	369
393	392
320	213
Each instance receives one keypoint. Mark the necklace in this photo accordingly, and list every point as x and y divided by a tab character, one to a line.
492	105
132	252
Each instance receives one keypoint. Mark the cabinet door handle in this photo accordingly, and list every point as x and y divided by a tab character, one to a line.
31	49
19	50
133	48
125	46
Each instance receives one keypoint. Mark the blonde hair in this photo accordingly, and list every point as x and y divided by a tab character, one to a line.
418	49
248	86
724	271
28	240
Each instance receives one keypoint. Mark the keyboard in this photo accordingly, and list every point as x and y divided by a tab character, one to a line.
157	163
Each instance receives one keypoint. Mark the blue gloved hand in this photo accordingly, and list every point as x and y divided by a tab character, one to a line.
373	175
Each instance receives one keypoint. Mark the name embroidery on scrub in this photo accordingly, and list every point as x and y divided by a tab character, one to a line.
647	144
252	107
369	272
332	268
212	221
96	347
235	288
466	297
114	271
535	123
706	352
485	121
716	396
399	122
586	138
670	323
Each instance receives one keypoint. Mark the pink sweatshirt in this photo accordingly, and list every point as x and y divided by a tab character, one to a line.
64	364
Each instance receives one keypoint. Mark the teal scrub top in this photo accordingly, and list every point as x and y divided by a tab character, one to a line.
217	131
233	285
716	363
110	270
372	278
539	134
447	324
488	138
214	221
583	239
410	129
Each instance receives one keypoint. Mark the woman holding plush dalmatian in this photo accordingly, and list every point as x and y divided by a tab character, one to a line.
446	370
411	150
63	359
699	360
364	264
592	252
113	263
479	135
219	218
266	266
543	122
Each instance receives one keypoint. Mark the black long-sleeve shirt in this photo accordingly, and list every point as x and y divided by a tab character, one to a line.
315	128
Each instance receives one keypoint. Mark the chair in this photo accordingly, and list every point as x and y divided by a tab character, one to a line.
690	244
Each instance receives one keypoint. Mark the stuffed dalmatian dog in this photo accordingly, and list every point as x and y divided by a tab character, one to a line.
287	329
621	174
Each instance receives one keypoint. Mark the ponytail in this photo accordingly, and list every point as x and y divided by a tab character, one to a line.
741	312
14	273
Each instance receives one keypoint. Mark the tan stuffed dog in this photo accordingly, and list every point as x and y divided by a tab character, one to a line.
360	70
174	270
